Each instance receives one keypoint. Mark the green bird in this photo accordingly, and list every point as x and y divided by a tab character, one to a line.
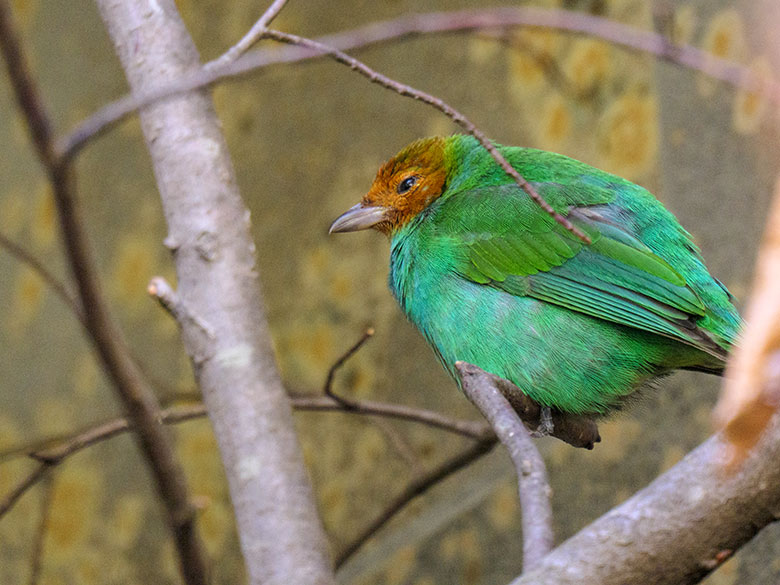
490	278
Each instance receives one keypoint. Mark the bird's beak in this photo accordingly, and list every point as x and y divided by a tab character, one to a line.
358	217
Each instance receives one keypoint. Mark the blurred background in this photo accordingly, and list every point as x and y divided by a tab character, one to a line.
306	141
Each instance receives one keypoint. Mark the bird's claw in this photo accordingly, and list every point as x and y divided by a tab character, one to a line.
546	427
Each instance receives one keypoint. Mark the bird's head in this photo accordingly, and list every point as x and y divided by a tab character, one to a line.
403	187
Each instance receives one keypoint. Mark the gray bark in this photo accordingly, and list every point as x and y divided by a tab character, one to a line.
677	529
222	321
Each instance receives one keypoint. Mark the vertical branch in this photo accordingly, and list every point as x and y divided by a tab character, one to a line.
227	335
751	392
531	473
138	398
40	533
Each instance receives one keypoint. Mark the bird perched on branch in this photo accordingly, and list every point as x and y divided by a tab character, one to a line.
490	278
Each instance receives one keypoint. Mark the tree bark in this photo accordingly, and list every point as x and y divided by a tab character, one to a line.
223	324
677	529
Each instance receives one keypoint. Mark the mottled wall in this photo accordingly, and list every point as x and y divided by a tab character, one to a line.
306	143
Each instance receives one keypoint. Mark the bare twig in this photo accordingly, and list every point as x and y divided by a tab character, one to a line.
46	275
21	488
138	398
472	429
328	386
533	485
53	452
255	33
417	487
439	104
40	534
414	25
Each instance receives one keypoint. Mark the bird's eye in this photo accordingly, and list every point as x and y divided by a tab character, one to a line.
406	184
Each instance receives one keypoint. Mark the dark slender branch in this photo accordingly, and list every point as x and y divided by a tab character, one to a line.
468	428
51	281
416	488
24	87
533	485
328	386
22	487
40	533
54	449
138	398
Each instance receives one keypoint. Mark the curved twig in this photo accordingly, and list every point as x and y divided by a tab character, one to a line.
52	281
417	487
414	25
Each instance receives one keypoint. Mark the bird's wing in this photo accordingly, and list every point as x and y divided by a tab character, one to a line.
506	241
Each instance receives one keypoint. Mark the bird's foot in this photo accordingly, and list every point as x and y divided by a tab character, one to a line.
546	427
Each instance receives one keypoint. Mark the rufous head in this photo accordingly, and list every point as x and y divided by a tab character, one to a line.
403	187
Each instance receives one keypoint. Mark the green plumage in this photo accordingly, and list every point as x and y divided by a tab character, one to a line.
490	278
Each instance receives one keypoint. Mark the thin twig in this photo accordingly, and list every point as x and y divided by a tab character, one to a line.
467	428
439	104
255	34
53	451
414	25
533	485
46	275
417	487
36	563
328	386
22	487
399	444
138	398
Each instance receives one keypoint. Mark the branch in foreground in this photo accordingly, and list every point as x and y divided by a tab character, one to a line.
751	392
533	486
138	399
677	529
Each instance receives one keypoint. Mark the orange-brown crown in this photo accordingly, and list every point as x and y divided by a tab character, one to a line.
408	183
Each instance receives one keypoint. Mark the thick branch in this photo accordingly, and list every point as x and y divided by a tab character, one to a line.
533	486
677	529
209	233
138	399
